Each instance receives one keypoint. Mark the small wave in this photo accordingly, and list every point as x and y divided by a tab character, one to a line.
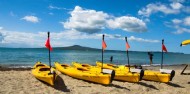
16	65
20	67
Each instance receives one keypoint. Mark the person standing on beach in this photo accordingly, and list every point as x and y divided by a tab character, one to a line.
111	58
150	57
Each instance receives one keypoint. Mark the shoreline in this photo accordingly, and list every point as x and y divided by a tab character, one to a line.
22	68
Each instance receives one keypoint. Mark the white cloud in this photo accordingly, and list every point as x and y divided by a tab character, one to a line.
32	19
180	30
176	21
92	21
187	21
57	8
127	23
1	37
158	7
24	38
53	7
176	5
132	38
180	1
180	25
58	39
83	20
28	39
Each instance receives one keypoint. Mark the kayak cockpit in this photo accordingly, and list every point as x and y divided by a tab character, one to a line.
44	69
65	65
82	69
85	65
39	65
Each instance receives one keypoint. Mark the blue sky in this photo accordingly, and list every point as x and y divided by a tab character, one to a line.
24	23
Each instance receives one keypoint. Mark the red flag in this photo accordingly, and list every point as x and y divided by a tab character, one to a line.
104	45
164	48
127	46
48	44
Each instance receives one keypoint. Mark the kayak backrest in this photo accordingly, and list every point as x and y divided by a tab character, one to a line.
44	69
112	65
65	65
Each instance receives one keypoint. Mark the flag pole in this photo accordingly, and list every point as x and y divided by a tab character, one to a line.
162	53
102	53
49	51
127	54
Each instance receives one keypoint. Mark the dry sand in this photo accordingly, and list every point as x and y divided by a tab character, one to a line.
22	82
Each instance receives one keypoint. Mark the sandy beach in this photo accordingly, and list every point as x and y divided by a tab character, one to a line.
21	81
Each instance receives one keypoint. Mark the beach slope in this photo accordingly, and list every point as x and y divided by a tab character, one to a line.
21	81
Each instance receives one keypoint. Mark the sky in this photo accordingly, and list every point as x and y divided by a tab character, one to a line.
25	23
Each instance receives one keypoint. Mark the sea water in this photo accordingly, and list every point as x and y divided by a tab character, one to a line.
27	57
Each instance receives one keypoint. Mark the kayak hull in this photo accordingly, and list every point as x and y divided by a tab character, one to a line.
42	73
84	74
148	74
156	76
120	74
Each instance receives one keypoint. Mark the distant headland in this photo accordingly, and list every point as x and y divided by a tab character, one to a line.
78	47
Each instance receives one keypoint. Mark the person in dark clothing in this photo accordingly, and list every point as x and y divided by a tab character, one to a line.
150	57
111	58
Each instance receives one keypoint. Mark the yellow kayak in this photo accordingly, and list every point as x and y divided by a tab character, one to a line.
160	76
185	42
42	72
120	74
85	74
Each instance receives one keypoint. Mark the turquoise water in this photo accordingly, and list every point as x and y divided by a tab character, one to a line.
22	57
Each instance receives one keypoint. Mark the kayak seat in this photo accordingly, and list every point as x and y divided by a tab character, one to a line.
110	64
115	66
85	65
82	69
40	65
64	65
44	69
